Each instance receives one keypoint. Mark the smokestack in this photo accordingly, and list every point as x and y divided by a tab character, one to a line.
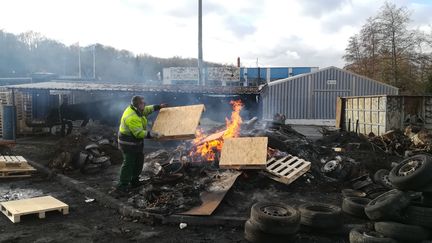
200	51
238	61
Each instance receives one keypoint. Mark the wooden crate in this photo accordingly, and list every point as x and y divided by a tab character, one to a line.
287	169
244	153
38	205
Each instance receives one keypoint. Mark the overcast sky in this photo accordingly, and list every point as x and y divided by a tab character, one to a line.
277	32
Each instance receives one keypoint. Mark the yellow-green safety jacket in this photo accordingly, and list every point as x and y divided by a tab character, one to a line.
133	128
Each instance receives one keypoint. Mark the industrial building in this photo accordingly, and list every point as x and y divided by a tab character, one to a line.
313	95
230	75
303	98
35	101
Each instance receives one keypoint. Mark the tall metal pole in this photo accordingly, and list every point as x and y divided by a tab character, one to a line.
94	62
200	51
79	61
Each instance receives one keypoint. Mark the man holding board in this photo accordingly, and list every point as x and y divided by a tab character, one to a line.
131	134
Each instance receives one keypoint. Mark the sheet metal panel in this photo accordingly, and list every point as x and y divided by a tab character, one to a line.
292	96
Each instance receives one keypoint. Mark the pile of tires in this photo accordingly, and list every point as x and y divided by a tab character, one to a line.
275	222
272	222
403	214
92	160
322	218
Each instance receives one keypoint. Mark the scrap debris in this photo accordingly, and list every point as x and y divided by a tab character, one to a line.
90	150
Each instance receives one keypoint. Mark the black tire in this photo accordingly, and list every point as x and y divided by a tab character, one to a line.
275	218
412	173
361	184
416	215
352	193
253	234
426	189
91	169
355	206
320	215
427	198
377	178
402	232
361	235
387	206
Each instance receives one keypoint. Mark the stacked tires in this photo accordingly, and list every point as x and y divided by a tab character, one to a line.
403	214
274	222
271	222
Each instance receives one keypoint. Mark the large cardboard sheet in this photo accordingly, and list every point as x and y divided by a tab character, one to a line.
244	153
178	122
215	193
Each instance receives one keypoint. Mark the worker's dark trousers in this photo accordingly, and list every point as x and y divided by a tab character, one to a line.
69	125
131	169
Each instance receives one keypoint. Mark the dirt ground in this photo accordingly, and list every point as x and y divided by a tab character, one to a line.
91	222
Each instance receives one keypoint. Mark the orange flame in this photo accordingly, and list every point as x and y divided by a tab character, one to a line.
208	149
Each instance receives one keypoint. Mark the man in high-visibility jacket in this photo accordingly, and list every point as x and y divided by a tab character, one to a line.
131	134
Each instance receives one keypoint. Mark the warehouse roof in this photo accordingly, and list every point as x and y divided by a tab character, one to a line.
87	86
325	69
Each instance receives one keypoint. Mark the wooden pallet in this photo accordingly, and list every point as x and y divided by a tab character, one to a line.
287	169
38	205
16	172
12	161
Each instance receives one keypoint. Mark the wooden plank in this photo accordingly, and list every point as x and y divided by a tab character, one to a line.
275	165
244	153
24	170
178	122
40	205
21	159
215	194
212	137
338	112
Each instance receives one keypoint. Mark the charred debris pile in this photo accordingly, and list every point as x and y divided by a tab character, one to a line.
89	149
175	177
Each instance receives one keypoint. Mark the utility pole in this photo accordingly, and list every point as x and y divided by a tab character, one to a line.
79	61
94	61
200	51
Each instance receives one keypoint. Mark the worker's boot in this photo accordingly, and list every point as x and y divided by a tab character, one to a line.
119	192
137	184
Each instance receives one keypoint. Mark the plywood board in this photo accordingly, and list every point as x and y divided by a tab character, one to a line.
244	153
212	137
40	205
178	122
215	194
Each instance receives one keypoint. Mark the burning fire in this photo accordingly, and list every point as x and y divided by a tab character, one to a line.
205	147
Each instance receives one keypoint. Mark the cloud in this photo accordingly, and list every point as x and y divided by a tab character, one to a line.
240	27
277	32
316	8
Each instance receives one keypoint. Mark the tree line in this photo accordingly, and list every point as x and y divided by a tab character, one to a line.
27	53
390	50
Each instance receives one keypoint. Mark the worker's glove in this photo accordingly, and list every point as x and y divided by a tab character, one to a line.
155	135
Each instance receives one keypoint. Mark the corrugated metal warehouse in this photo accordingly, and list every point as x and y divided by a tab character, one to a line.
313	95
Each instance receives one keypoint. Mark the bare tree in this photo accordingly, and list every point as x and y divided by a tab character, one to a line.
387	50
